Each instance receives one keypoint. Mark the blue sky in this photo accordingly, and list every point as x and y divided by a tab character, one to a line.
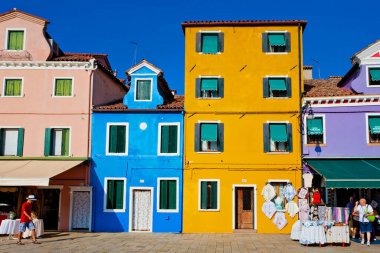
336	28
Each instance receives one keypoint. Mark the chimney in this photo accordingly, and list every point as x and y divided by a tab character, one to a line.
307	72
115	72
174	92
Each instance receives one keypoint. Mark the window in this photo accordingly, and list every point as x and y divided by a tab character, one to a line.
279	188
374	129
277	137
117	139
57	142
315	129
374	76
209	137
209	195
167	198
169	141
210	42
63	88
15	40
11	141
143	90
274	42
114	194
12	87
277	87
209	87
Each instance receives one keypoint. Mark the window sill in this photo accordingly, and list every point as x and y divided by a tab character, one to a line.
277	153
142	100
277	52
14	50
116	154
168	154
315	144
167	211
202	98
12	96
374	144
208	210
210	53
209	152
114	210
277	97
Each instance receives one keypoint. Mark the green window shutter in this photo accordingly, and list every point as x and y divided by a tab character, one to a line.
265	42
172	193
15	40
198	42
287	42
20	142
220	137
163	194
204	199
266	137
209	84
375	74
197	137
110	194
164	139
214	195
67	87
210	43
289	87
119	199
221	42
121	139
112	139
198	87
65	142
265	87
209	132
290	138
47	147
143	90
173	139
221	87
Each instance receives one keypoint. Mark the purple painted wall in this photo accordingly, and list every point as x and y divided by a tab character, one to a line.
346	133
358	81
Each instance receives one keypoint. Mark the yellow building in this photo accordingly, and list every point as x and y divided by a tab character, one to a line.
242	87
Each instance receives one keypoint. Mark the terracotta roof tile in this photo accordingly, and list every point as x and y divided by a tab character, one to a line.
14	10
325	88
177	103
118	106
243	23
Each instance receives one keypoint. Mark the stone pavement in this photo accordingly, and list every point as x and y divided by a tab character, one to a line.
189	243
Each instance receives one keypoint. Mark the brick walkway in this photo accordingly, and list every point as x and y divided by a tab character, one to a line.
147	242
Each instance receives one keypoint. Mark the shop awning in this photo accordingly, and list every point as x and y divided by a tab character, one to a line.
314	126
32	172
348	173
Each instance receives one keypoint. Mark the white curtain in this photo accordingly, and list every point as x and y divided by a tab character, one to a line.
141	210
80	218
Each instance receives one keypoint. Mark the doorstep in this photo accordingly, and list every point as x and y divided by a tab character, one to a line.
245	231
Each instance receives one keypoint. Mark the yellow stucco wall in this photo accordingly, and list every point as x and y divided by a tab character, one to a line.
243	110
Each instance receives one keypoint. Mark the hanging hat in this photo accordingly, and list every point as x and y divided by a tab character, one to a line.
31	197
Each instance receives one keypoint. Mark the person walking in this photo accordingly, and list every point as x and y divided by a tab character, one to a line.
363	210
26	220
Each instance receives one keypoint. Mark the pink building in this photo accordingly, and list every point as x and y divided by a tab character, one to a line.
46	97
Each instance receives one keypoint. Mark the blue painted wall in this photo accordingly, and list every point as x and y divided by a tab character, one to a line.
141	167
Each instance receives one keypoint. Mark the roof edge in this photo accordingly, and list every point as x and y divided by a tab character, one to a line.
186	24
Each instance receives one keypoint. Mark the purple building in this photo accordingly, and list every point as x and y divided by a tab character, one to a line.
341	130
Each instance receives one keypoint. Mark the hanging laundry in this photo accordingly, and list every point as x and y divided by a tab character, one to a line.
307	179
268	192
292	208
280	220
304	212
269	209
279	201
303	193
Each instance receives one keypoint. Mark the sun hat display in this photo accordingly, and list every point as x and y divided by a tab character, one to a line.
31	197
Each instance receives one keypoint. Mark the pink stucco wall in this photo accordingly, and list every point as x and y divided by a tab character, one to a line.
35	42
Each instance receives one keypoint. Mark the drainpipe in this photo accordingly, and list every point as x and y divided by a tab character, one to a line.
300	94
90	96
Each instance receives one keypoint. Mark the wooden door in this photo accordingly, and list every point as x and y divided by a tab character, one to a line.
244	207
141	212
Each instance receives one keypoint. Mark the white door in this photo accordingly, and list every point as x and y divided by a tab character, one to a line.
80	213
141	212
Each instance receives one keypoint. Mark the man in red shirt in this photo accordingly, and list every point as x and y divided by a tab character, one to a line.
26	220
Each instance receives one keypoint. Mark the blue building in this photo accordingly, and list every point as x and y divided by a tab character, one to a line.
137	161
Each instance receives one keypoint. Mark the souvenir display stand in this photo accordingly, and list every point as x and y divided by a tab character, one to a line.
319	224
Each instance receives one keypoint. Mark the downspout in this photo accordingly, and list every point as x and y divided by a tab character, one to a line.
300	96
90	96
